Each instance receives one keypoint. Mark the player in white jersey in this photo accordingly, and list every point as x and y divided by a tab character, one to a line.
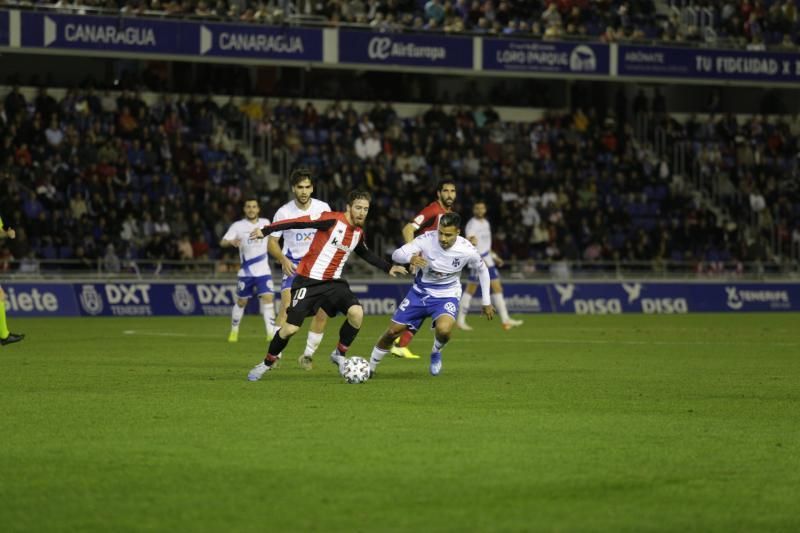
440	256
479	233
295	246
254	275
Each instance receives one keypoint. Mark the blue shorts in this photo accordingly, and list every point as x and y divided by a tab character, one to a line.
416	307
493	274
248	285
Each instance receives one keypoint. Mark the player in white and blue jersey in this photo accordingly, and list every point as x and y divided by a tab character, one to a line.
295	246
440	256
255	276
479	233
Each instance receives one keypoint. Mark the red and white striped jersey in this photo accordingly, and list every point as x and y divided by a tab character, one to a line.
333	243
428	219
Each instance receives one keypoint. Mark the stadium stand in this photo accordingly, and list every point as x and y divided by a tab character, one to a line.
99	178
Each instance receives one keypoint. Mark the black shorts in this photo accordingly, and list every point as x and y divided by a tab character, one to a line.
310	295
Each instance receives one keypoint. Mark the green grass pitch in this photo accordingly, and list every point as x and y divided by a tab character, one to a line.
617	423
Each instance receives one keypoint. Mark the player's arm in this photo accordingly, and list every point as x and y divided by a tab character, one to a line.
408	231
232	242
412	227
497	259
409	253
304	222
485	282
469	233
377	261
274	249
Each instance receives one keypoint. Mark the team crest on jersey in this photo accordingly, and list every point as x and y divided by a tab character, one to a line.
240	286
456	263
183	300
91	301
450	307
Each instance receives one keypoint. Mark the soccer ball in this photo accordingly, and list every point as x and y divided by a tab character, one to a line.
355	370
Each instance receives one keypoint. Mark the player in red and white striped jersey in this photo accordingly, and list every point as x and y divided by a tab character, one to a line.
318	284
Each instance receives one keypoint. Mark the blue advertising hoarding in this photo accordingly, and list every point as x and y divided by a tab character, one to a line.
547	57
412	50
697	63
226	40
123	34
40	299
216	298
5	28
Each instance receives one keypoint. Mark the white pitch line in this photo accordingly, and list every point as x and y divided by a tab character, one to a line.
632	343
160	334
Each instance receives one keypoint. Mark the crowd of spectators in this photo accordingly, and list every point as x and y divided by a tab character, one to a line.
749	23
752	168
100	176
95	175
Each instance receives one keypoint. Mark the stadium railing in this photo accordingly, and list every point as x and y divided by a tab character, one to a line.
287	16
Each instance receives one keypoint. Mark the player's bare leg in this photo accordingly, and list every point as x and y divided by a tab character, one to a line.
385	343
286	299
443	329
463	306
237	313
315	334
347	334
499	302
268	312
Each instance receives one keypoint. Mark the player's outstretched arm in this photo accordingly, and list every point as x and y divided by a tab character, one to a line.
406	253
488	311
226	243
397	269
304	222
377	261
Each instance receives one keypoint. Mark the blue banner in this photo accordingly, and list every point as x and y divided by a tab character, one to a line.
85	32
399	49
216	299
669	298
40	299
226	40
700	63
537	56
5	28
157	299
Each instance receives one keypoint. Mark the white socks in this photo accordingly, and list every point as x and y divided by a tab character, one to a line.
236	317
375	358
463	307
268	310
312	343
500	304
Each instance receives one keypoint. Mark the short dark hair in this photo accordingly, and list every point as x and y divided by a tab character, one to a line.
443	182
250	198
299	174
358	194
450	219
